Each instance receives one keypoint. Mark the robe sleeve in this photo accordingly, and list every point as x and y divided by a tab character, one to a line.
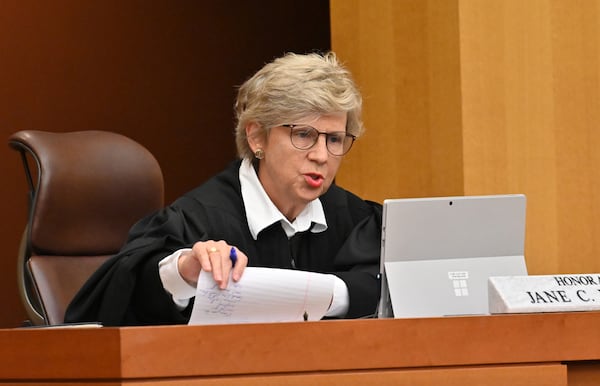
357	264
126	290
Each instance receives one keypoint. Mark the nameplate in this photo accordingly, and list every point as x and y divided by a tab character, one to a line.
544	293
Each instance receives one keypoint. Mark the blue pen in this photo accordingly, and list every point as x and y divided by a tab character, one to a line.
233	256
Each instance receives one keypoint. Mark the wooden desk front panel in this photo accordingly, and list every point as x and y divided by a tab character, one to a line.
359	344
401	349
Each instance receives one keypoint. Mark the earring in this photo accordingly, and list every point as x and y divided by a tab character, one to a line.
259	154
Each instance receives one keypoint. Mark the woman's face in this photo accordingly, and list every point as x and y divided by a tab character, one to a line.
293	177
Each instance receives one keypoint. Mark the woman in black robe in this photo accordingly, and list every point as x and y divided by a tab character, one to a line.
278	206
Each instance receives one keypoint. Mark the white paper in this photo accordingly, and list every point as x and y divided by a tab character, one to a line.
263	295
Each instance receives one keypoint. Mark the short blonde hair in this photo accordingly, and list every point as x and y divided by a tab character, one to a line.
292	87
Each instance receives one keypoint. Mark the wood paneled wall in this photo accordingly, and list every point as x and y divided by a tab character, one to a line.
470	97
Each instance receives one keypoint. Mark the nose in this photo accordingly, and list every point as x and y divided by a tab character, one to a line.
319	151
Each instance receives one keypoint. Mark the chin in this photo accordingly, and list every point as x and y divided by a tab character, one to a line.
312	195
309	194
320	193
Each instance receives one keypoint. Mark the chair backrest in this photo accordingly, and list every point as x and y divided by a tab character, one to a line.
86	189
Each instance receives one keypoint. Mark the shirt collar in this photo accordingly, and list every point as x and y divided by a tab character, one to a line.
261	212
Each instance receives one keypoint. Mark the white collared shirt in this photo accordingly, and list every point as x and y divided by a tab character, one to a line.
260	214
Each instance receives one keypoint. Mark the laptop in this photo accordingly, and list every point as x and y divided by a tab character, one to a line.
437	253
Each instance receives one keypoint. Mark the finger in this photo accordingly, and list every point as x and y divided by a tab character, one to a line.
240	265
216	263
201	254
228	259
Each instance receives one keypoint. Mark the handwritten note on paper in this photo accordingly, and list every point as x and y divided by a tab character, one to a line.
263	295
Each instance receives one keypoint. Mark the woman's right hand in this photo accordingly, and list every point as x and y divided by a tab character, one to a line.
212	256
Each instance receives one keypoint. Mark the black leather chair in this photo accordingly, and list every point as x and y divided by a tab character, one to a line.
86	189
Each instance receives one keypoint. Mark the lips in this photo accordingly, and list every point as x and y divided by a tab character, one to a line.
314	180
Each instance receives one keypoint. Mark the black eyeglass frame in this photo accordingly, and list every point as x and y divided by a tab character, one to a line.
327	135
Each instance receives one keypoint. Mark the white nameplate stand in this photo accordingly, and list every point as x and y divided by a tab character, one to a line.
544	293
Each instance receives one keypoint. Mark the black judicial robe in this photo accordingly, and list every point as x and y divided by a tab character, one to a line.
127	290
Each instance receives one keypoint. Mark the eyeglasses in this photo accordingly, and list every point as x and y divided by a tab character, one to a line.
304	137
